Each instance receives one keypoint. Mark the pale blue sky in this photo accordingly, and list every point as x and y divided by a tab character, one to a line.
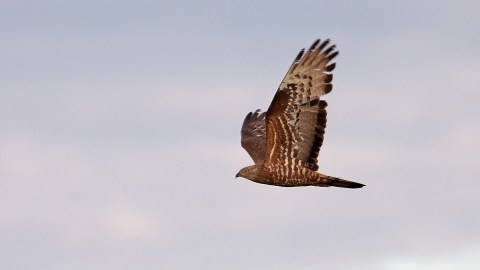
120	135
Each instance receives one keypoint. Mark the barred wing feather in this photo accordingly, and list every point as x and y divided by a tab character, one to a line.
296	118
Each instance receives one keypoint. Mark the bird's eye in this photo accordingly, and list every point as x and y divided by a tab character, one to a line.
246	171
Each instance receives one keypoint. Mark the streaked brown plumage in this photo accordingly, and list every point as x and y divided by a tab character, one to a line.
284	141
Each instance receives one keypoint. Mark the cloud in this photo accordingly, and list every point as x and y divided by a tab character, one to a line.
124	224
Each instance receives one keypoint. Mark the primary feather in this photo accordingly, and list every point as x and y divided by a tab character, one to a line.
285	141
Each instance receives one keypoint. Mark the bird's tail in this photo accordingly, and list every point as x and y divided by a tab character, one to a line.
338	182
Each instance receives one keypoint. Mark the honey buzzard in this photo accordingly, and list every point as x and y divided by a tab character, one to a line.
284	141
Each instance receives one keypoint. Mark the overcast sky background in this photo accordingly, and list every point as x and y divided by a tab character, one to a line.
120	135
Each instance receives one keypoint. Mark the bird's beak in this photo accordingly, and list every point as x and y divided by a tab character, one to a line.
238	174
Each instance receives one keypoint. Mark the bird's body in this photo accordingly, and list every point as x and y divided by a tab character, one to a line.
288	176
284	142
294	176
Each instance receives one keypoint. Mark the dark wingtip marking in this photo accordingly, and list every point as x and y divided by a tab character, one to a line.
317	143
328	88
321	123
328	78
299	55
324	43
330	67
319	130
329	50
315	43
331	56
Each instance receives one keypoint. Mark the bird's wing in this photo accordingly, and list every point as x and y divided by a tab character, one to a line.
296	118
253	136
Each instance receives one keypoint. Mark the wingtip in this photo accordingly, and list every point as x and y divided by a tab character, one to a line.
315	43
299	55
330	67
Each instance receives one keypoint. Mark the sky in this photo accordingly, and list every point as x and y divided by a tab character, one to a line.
120	135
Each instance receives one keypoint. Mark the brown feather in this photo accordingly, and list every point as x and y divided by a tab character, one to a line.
296	110
254	136
285	141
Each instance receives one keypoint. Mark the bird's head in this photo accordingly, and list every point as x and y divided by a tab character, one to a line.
249	173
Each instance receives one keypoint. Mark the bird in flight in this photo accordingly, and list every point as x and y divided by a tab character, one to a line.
284	141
